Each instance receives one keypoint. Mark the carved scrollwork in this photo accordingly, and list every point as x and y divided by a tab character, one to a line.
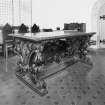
36	58
21	49
84	44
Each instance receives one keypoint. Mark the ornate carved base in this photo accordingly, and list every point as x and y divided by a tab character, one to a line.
35	87
51	70
55	68
39	60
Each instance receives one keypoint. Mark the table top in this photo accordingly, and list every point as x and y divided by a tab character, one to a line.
49	35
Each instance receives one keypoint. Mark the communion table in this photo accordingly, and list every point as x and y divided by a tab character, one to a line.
44	54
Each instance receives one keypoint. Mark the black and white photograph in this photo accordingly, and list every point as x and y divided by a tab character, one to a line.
52	52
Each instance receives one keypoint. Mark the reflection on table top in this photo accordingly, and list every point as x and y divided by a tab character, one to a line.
49	35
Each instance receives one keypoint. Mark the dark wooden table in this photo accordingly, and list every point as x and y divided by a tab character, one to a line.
44	54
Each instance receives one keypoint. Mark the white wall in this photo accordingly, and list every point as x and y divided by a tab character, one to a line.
52	13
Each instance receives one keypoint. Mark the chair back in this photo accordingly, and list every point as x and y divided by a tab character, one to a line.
7	29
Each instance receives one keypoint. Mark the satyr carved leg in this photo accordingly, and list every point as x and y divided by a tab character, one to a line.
30	64
83	52
36	65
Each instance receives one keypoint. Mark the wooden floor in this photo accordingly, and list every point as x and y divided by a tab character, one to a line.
78	85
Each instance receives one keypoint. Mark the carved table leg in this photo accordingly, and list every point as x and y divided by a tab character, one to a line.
30	64
83	53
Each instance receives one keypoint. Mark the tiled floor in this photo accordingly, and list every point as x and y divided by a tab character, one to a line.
78	85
